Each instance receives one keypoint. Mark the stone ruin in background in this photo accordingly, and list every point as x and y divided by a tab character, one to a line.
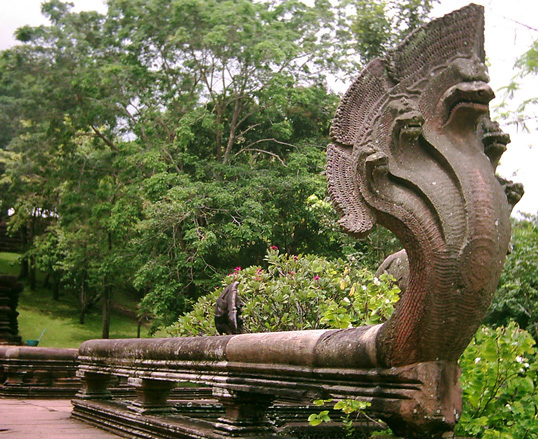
30	372
414	150
10	289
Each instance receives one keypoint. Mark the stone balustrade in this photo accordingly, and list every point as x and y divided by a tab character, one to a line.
248	373
38	372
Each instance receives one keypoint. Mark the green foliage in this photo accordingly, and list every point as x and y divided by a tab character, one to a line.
369	301
528	62
298	292
499	385
371	251
516	298
378	25
351	410
372	28
323	416
149	149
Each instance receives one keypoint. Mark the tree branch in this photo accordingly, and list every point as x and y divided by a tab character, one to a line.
271	140
263	152
103	137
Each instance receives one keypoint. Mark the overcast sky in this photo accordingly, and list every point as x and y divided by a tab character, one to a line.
511	26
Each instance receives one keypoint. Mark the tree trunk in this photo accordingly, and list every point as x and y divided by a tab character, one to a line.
55	287
32	273
233	130
82	316
106	312
24	268
107	297
24	260
83	304
219	134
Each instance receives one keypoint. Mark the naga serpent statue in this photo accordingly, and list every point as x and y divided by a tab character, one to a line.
415	151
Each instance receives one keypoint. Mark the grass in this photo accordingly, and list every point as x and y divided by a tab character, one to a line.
37	311
9	263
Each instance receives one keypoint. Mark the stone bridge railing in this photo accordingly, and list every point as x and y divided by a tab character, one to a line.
247	373
33	372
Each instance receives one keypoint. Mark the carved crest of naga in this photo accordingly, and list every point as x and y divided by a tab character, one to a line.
414	150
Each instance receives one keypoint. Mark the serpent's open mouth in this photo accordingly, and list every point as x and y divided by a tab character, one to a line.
495	141
466	98
407	125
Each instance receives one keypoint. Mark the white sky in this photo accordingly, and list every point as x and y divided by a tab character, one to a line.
511	26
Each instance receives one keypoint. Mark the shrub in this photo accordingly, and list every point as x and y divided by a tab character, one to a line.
298	292
499	385
516	298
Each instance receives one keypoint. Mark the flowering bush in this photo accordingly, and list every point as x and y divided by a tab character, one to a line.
499	374
298	292
308	292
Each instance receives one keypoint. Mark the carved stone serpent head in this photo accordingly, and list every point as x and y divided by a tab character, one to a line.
415	151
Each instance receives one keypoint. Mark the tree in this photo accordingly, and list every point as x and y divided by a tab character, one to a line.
378	25
157	145
516	298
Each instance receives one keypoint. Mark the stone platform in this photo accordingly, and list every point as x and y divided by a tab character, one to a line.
51	419
44	419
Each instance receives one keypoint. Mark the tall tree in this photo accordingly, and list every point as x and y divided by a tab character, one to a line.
157	145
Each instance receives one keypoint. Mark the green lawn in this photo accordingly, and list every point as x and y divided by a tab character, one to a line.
37	311
9	263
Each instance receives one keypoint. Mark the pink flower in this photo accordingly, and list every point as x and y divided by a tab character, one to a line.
316	277
273	247
258	276
236	269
